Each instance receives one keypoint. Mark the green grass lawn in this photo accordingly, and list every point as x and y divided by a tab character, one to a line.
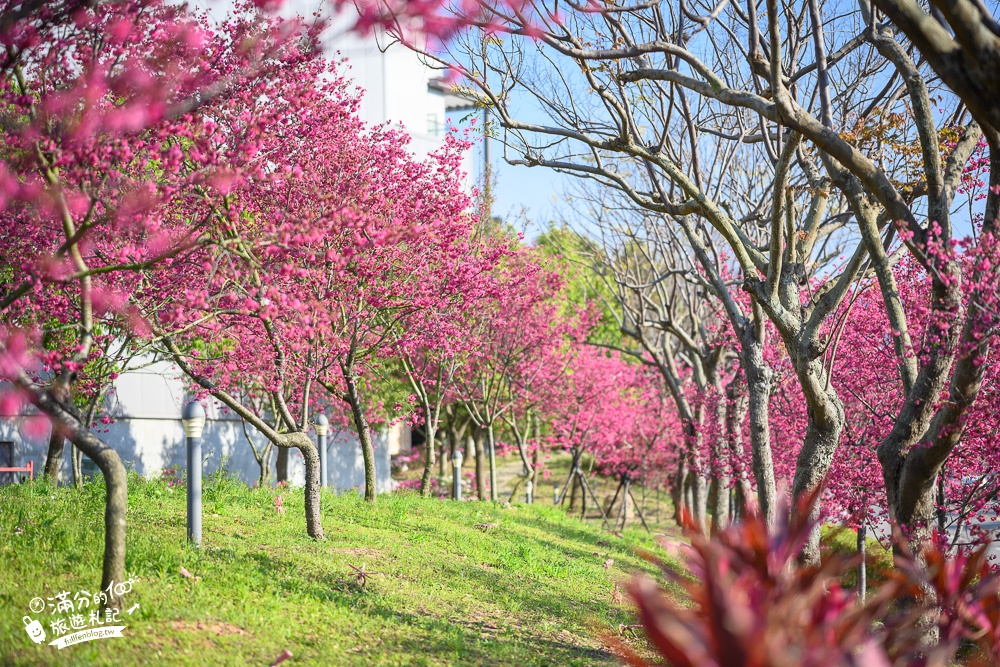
533	590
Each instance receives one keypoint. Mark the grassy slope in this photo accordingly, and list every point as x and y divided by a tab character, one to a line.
531	591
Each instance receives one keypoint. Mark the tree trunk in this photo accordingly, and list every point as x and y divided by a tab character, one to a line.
736	411
115	509
262	456
77	460
61	391
364	431
53	461
264	463
626	500
115	482
760	381
720	508
913	453
738	503
453	445
825	420
518	484
281	465
689	497
699	497
698	505
534	457
534	473
942	506
574	483
491	442
720	470
679	491
527	466
912	457
314	521
480	466
429	445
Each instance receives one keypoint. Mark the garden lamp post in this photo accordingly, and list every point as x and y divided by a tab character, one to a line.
322	426
528	489
456	482
193	418
555	494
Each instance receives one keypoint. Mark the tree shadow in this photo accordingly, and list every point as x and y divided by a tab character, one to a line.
468	639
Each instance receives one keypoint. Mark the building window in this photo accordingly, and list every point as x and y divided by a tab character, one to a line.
435	127
7	461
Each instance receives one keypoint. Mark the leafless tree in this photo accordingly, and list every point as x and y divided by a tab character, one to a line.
829	100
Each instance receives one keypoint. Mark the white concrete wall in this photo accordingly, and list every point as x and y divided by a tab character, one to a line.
393	78
147	433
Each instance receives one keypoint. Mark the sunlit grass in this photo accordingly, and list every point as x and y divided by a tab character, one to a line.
531	590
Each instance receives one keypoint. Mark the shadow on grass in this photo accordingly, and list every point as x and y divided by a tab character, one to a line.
427	635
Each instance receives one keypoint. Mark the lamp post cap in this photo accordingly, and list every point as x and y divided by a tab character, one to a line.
193	410
321	425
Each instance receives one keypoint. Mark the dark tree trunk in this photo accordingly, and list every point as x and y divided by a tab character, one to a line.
574	483
449	445
942	504
364	430
281	465
678	492
626	503
61	391
480	466
77	460
115	482
430	459
429	445
689	499
53	461
115	508
491	444
310	455
697	479
264	464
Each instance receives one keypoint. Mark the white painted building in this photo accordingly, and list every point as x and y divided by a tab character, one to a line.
147	433
395	84
146	404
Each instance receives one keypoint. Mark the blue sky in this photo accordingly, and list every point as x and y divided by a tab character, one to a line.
534	190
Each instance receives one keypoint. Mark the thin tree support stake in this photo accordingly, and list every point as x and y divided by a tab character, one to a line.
638	511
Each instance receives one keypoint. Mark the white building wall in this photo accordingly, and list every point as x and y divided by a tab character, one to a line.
147	403
148	435
394	81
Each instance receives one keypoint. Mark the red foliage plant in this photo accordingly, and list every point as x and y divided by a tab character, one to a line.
751	605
